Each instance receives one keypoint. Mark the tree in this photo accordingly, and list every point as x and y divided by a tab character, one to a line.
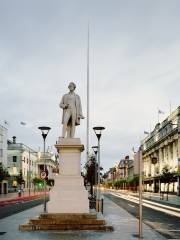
167	177
38	183
19	178
3	173
129	183
50	182
91	168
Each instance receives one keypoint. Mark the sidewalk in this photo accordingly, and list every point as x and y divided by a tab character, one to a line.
14	195
125	225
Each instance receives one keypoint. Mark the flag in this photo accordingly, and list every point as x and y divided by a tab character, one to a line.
133	150
23	123
6	122
145	132
160	112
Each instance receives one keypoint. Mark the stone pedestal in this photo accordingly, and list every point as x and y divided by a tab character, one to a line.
69	194
68	208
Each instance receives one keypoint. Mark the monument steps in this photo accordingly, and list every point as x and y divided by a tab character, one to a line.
66	227
64	222
68	216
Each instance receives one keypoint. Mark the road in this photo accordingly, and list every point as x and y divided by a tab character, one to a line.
9	207
164	220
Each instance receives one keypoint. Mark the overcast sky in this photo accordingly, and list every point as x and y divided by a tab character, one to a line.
134	67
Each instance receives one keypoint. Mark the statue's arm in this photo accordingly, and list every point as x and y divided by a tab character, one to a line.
80	109
62	104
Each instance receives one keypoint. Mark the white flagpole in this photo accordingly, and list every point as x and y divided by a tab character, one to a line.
87	132
150	127
140	194
170	107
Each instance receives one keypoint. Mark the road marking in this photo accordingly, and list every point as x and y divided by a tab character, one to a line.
174	230
153	203
156	206
131	205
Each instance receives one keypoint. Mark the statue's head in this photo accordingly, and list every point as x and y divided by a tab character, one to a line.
72	86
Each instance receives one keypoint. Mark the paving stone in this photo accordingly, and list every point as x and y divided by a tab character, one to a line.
125	226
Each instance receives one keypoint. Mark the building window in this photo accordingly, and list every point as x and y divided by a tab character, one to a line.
167	152
162	151
176	147
1	138
1	152
171	150
14	158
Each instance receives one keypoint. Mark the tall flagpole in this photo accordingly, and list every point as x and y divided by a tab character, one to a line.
170	107
87	133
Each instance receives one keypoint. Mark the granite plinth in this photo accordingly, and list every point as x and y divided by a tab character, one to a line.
69	194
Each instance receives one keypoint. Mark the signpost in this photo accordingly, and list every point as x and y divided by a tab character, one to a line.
178	166
43	175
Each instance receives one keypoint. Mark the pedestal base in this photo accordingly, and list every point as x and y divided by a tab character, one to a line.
69	194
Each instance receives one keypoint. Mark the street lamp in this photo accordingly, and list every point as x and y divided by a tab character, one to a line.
95	149
98	133
44	131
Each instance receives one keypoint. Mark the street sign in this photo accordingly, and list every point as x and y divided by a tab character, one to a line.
29	173
14	184
43	175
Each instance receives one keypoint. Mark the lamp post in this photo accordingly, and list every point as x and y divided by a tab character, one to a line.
44	131
29	181
98	131
95	149
140	193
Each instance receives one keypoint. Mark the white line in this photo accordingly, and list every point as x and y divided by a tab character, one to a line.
154	203
131	205
161	209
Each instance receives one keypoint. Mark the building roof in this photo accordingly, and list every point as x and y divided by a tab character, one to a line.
161	131
20	146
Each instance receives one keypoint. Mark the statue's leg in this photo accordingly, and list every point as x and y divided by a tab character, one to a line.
73	116
66	119
68	131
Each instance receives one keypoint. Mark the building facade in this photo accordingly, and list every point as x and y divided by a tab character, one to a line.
51	165
160	149
125	168
21	158
122	170
3	157
3	146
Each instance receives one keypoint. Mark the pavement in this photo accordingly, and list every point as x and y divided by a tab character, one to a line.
125	227
14	195
164	219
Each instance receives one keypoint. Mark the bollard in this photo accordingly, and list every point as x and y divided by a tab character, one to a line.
102	205
19	193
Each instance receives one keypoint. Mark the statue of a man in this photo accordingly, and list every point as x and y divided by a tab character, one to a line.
72	111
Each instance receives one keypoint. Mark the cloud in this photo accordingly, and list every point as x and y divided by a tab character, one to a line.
134	67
